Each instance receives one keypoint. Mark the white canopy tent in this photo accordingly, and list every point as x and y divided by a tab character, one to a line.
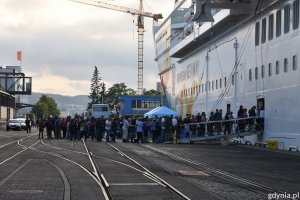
160	111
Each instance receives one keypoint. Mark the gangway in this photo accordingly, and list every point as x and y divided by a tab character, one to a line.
214	130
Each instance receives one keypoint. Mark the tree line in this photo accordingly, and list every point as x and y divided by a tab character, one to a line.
46	106
99	94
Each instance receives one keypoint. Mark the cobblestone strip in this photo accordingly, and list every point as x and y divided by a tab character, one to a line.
67	194
14	172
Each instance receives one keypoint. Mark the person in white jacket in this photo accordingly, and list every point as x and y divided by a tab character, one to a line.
107	129
125	129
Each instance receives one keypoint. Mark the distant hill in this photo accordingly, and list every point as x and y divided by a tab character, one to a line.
67	104
61	99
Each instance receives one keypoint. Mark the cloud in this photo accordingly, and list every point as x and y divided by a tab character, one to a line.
50	83
62	41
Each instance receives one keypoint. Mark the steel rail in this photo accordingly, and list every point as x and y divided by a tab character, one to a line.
18	153
4	145
146	174
11	157
59	148
88	171
97	172
95	156
153	175
213	171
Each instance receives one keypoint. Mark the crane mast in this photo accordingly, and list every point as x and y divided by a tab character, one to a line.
140	24
141	30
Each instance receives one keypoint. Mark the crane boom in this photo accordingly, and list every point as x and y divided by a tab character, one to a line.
140	24
120	8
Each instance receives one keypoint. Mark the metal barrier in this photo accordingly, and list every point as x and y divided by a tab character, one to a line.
214	130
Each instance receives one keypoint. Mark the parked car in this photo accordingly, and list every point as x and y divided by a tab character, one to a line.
13	124
23	124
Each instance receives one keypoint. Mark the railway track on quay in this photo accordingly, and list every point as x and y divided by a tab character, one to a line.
230	178
153	179
124	170
213	171
93	170
18	149
96	172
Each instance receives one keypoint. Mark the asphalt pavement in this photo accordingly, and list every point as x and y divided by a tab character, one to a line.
62	169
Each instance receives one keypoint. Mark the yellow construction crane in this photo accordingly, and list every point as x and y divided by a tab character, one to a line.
140	24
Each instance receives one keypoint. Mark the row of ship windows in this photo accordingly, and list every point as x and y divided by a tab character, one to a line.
218	84
287	20
212	85
277	68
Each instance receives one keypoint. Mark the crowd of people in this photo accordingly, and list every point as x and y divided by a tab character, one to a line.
138	129
128	129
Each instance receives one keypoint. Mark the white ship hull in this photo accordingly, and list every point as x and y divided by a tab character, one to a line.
194	68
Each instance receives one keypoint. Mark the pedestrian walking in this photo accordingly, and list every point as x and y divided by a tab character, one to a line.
114	129
228	124
64	127
28	125
48	125
108	129
125	129
145	129
153	129
41	126
139	130
91	128
163	129
73	129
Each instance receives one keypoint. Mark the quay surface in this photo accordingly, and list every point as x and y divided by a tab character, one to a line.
61	169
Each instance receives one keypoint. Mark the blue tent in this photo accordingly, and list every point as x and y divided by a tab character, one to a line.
160	111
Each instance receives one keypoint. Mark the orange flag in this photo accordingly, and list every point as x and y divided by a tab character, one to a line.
19	56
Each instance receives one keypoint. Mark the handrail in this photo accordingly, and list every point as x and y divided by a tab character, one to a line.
215	128
218	121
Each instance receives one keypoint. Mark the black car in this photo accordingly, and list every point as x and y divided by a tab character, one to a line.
13	124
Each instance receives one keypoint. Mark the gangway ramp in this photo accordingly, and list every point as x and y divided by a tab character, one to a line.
216	132
214	137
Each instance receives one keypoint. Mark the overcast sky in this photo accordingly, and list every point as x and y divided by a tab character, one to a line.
62	41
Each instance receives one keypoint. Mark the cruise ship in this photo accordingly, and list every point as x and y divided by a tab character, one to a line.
222	54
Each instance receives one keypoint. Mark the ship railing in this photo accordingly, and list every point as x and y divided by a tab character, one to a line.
235	126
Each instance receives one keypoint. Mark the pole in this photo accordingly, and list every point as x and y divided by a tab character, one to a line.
235	76
161	91
206	90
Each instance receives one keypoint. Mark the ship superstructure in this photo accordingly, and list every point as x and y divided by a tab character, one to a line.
224	54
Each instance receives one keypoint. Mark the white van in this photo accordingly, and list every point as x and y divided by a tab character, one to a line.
100	109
